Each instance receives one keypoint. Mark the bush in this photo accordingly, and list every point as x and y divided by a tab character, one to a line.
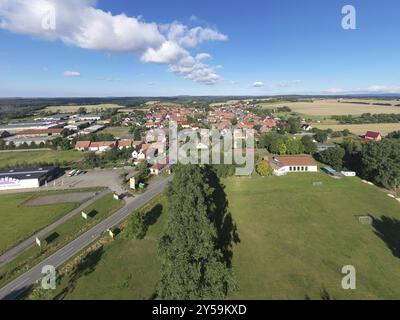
136	228
264	169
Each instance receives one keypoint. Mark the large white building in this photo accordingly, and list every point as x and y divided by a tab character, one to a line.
27	178
288	164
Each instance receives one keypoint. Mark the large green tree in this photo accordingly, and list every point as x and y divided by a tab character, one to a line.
333	157
309	145
192	264
381	163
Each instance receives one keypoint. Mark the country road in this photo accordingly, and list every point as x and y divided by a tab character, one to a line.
13	252
13	289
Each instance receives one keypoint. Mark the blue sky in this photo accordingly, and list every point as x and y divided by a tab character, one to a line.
255	47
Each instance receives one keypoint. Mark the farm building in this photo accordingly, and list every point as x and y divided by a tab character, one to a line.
287	164
25	178
373	136
82	145
36	125
4	134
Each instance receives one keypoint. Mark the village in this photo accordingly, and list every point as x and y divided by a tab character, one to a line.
146	135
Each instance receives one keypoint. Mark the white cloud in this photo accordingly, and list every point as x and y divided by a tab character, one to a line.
258	84
384	89
198	35
168	53
203	56
377	89
79	23
72	74
191	38
289	83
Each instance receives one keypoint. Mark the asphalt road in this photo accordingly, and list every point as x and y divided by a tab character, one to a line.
13	252
16	287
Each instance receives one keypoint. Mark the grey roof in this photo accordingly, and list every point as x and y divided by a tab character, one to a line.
26	173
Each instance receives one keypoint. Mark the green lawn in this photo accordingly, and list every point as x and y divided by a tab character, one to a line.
296	233
296	237
60	236
18	221
121	132
13	157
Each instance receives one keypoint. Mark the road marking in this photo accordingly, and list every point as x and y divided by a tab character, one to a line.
67	251
20	284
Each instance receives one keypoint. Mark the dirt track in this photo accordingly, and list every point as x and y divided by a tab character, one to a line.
60	198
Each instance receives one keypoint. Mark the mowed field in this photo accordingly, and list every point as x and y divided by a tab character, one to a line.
360	129
332	107
121	132
89	108
19	220
295	237
11	158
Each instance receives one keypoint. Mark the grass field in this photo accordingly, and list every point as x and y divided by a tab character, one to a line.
11	158
60	236
331	107
383	128
120	132
295	237
72	109
18	221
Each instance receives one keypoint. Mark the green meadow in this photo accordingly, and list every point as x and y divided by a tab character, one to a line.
295	235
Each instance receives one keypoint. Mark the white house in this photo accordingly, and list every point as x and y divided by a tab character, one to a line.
157	168
306	127
287	164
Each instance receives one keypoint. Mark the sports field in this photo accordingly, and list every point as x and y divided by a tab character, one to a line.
330	107
296	233
11	158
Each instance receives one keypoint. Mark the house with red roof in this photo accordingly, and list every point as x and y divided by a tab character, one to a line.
82	145
373	136
289	164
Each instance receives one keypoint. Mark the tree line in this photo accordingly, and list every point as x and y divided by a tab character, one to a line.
368	118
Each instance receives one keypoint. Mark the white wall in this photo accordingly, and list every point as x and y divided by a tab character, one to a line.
285	170
20	184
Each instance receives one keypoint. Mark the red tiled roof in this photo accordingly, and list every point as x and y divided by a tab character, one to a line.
125	143
82	144
372	135
40	131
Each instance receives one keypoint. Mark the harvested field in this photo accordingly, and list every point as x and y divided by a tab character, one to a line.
383	128
333	107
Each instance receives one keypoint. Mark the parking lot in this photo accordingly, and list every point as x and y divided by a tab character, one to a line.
94	178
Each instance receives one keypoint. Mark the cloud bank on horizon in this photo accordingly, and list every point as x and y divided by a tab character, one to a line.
79	23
